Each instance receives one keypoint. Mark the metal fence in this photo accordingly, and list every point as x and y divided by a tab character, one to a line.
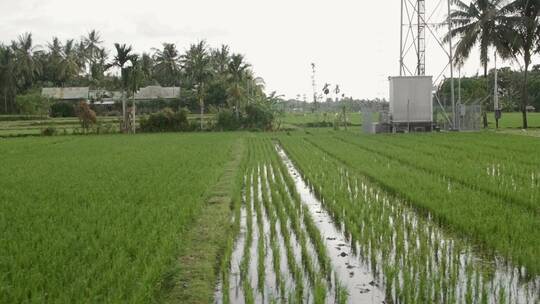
468	117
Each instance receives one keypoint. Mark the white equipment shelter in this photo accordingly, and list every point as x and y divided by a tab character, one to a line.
411	103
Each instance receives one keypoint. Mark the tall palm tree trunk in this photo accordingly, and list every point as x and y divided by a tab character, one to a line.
124	120
237	110
201	103
525	96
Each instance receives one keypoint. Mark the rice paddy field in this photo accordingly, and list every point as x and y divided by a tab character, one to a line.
16	126
308	216
100	218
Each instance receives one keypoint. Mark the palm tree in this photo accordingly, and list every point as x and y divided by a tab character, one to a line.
523	39
220	59
135	77
70	64
480	22
91	44
99	66
7	75
27	68
196	64
147	66
237	72
123	55
167	64
54	61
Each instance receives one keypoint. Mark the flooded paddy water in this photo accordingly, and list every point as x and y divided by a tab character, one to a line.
357	245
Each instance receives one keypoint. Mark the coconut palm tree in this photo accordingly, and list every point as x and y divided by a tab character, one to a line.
167	65
100	66
481	23
54	61
523	40
197	67
70	65
220	59
27	69
237	69
91	44
147	66
8	78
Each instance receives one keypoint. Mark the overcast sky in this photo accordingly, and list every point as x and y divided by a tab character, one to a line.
354	43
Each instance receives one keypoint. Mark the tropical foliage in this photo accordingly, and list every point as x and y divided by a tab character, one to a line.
510	28
211	79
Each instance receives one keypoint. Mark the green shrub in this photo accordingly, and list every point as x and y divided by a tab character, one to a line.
166	121
320	124
63	109
259	116
227	121
48	131
32	103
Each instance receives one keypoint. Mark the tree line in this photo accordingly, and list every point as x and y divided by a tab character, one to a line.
472	90
207	76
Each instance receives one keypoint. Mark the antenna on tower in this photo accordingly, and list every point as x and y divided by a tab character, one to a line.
421	50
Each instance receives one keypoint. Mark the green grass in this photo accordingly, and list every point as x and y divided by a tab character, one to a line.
303	119
514	120
100	218
509	120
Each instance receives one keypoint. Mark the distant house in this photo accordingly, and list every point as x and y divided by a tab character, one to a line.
108	97
67	94
157	92
107	101
530	109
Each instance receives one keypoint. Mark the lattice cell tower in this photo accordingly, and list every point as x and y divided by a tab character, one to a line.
416	22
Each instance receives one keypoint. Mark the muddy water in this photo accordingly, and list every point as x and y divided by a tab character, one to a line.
354	275
412	258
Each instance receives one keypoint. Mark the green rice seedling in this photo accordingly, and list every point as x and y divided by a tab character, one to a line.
246	258
260	241
341	292
101	218
450	208
417	259
319	296
511	181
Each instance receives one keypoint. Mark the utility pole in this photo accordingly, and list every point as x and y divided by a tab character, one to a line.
421	38
451	64
496	95
314	85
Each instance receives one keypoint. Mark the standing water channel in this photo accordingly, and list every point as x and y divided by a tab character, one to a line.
396	256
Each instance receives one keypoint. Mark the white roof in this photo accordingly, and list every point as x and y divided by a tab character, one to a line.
158	92
66	93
